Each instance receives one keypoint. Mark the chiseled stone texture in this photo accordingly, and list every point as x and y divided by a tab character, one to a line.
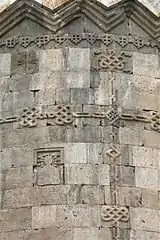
60	167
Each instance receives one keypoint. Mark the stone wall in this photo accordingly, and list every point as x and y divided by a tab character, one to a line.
79	137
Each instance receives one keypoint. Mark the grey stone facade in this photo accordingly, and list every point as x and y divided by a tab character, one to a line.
79	122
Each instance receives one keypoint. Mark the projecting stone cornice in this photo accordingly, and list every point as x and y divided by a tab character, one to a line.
106	18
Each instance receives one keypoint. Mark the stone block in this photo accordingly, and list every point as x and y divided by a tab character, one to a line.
60	194
129	196
130	136
105	233
21	197
5	66
144	219
107	195
15	100
24	62
86	233
20	82
146	178
54	80
47	97
92	195
77	216
56	134
78	59
146	84
146	101
151	139
94	153
34	137
123	84
85	134
15	235
51	60
78	79
126	176
75	153
103	93
63	96
82	96
81	174
43	216
17	178
150	199
16	157
56	232
5	84
15	219
145	157
104	176
145	64
144	235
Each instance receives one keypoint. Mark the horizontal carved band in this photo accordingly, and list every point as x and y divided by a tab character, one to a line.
76	38
64	115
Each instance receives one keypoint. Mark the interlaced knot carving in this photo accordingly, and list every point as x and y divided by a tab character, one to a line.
29	117
109	61
63	115
155	121
114	214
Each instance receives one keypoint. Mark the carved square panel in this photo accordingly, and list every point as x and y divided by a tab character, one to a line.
49	167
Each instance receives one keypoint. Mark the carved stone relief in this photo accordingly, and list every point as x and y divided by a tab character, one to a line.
76	38
108	60
64	115
49	167
114	214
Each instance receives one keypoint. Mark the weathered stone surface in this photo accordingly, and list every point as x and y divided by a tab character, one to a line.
21	197
79	122
5	66
17	177
145	64
145	219
150	199
43	216
146	178
129	196
145	157
51	60
15	219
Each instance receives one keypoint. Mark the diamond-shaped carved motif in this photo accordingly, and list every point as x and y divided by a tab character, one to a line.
112	115
113	153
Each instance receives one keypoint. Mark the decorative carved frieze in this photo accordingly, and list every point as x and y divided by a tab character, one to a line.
108	60
76	38
64	115
115	214
49	167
